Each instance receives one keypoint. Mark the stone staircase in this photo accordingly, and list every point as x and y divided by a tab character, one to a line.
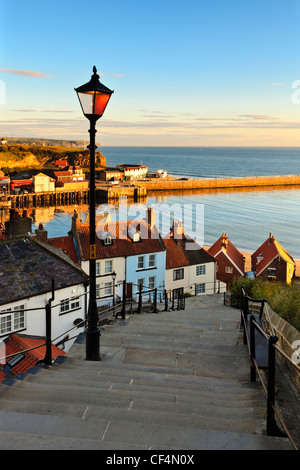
175	380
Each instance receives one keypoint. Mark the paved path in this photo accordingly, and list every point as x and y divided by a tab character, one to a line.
168	381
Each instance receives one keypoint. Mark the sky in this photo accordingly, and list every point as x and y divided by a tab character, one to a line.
184	73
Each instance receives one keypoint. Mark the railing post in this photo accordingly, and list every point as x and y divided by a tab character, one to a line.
155	300
124	300
252	349
140	299
166	301
272	428
246	312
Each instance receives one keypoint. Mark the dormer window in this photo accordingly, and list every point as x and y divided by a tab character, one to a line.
134	234
107	240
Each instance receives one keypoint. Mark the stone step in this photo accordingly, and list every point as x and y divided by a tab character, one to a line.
242	425
240	396
102	434
28	392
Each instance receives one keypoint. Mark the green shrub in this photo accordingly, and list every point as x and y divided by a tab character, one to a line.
283	299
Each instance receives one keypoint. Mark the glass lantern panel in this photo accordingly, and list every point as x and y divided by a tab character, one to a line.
101	103
86	101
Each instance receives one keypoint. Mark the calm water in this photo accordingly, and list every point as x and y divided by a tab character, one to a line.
209	161
247	216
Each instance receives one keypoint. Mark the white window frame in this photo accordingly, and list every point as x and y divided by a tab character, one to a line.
201	270
200	289
12	320
151	282
140	281
152	261
97	268
228	269
68	305
140	262
107	240
108	289
108	266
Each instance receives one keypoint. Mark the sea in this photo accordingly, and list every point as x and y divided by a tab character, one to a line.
248	216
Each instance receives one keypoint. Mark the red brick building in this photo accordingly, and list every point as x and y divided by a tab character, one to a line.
271	261
230	261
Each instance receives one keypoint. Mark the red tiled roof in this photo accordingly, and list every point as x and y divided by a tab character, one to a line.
184	252
17	345
67	245
175	256
268	251
122	244
224	244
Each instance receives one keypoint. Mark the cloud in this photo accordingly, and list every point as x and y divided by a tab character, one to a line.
277	84
258	116
117	75
37	110
25	73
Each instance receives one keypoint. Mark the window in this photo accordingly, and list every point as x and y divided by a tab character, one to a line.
97	268
14	320
151	282
152	261
178	274
98	290
272	272
107	240
140	283
69	304
200	289
108	266
200	270
140	262
108	288
19	318
228	269
5	324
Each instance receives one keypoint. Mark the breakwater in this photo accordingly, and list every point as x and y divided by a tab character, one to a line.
140	189
219	183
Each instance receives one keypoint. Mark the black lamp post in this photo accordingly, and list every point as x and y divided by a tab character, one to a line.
93	97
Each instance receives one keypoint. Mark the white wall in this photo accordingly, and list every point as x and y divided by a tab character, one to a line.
35	320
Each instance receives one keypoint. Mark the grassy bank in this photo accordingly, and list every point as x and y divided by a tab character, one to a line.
17	157
283	299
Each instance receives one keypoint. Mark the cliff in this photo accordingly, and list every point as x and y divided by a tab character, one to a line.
14	157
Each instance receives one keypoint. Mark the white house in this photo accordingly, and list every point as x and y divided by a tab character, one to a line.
131	251
43	183
189	268
27	268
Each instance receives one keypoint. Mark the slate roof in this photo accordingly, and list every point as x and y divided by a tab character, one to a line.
27	268
185	252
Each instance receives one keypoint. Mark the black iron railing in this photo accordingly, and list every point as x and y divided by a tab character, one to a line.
262	352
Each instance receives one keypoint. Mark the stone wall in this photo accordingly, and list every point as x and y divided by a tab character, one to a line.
158	184
287	335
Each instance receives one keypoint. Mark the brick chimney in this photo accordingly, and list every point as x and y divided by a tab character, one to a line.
224	241
76	223
151	216
41	234
18	226
178	230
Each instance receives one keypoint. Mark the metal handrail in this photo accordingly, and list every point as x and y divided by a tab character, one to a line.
249	339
